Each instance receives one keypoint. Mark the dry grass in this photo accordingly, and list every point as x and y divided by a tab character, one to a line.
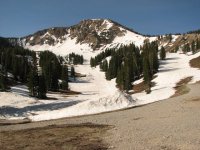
70	137
195	63
142	86
181	87
139	87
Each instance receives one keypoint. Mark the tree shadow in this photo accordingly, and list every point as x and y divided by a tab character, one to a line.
12	111
20	91
162	63
168	70
172	58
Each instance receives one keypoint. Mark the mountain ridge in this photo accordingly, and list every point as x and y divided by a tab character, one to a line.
93	35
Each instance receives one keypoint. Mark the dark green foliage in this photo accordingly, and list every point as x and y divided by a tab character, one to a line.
64	78
150	63
113	67
76	59
51	68
92	62
98	59
176	49
73	72
147	74
125	65
193	49
195	31
15	60
2	82
162	53
186	48
104	65
197	44
41	92
33	81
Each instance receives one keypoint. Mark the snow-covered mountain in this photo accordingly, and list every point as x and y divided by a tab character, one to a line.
95	35
88	38
88	35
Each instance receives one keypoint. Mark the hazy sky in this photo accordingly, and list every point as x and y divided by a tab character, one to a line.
22	17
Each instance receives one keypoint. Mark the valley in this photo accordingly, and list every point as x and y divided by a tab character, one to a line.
99	85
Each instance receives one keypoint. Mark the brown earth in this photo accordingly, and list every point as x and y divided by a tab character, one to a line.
70	137
171	124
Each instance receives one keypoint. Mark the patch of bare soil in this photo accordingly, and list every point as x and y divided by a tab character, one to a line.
195	63
70	137
4	122
141	87
181	87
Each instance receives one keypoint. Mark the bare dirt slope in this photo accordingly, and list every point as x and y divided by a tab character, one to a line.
170	124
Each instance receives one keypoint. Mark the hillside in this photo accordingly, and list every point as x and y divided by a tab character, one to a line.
96	34
96	94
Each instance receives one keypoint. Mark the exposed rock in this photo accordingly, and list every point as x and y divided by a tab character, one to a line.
96	33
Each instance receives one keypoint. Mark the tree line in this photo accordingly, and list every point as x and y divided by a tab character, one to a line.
51	74
193	47
75	58
129	63
14	60
42	73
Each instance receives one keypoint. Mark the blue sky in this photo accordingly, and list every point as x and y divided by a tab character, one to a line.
22	17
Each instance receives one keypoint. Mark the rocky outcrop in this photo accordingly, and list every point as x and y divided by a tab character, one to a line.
95	32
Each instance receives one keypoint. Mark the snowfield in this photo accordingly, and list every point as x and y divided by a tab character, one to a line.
171	71
97	94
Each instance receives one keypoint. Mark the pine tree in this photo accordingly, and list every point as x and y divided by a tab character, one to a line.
193	47
2	82
73	72
64	78
120	78
147	74
197	44
105	65
41	88
92	62
162	53
33	82
127	77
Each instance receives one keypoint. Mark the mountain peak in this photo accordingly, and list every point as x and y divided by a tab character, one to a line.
95	32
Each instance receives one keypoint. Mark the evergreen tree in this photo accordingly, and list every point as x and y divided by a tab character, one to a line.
105	65
120	78
186	48
64	78
2	82
176	49
162	53
51	68
33	82
197	44
127	77
92	62
41	88
193	47
147	74
73	72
